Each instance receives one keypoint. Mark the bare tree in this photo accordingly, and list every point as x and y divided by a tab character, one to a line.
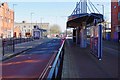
55	29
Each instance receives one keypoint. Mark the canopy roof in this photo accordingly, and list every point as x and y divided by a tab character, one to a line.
36	27
77	19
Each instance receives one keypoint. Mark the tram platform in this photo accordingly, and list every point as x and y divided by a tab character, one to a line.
80	63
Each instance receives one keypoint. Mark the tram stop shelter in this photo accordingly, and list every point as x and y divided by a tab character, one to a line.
80	23
38	33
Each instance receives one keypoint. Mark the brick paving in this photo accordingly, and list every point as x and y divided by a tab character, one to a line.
80	63
114	45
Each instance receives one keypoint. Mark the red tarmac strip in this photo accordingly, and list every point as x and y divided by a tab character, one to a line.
26	66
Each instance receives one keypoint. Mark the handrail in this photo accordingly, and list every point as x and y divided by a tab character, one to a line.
43	74
49	71
55	62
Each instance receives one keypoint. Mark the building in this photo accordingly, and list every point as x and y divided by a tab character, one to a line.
115	20
25	29
37	32
6	20
107	30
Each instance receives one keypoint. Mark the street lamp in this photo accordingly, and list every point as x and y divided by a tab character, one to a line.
104	30
102	9
13	26
41	19
66	26
31	20
13	18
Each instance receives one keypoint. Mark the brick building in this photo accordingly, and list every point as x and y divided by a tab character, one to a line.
115	20
25	29
6	20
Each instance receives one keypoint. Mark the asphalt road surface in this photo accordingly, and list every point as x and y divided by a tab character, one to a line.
30	65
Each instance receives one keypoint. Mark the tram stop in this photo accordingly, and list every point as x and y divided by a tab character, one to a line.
80	23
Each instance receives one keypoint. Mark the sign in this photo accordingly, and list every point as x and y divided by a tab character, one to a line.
96	41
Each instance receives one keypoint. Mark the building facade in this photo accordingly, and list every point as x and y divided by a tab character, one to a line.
25	29
37	32
115	20
6	20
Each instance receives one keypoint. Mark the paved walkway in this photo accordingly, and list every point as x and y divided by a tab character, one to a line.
79	63
23	47
111	44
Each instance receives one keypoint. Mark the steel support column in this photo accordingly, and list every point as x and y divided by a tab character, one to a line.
78	35
83	35
74	35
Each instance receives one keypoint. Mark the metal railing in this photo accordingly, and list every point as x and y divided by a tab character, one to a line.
53	69
8	44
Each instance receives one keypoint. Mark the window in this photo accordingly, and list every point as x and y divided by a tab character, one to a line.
9	20
119	16
118	2
28	30
0	17
114	7
24	26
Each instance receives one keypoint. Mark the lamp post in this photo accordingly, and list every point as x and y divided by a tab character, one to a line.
41	19
66	26
104	30
13	27
31	21
41	26
13	18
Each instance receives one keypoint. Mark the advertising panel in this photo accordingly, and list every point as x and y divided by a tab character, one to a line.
96	41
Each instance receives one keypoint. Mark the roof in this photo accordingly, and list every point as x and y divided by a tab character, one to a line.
37	28
43	30
78	19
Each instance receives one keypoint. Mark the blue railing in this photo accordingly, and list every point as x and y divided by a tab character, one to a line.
8	44
54	68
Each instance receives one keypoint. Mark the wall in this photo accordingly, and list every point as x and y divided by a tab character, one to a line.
114	18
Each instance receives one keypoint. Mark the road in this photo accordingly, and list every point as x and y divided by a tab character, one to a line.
30	65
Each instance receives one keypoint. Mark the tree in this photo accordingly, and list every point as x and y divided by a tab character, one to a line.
55	29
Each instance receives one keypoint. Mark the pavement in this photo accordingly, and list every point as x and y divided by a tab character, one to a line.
111	44
31	64
22	47
79	63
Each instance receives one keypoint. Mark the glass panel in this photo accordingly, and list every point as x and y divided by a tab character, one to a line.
119	16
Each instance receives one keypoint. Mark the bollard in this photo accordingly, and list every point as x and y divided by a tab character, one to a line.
13	45
1	50
3	46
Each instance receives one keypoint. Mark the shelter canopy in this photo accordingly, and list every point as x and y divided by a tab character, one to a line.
77	19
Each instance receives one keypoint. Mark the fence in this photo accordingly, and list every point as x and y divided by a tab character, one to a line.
54	67
8	44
